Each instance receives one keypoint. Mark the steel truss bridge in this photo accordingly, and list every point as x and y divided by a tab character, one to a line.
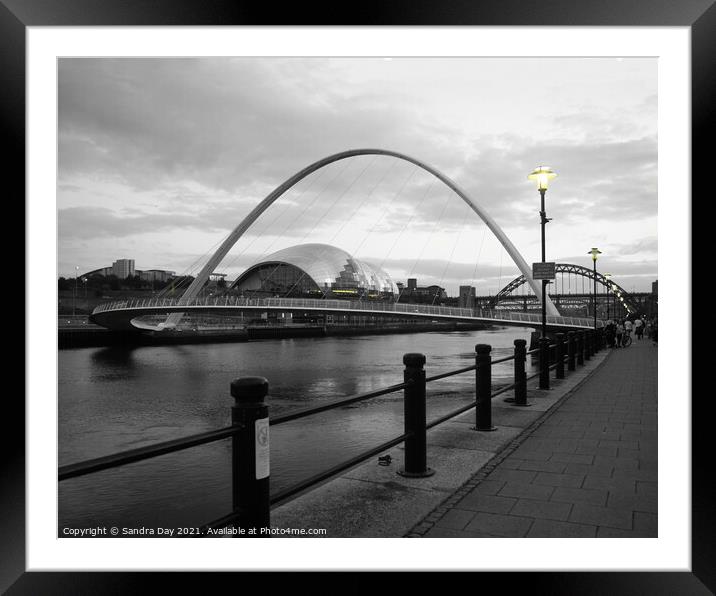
128	314
507	298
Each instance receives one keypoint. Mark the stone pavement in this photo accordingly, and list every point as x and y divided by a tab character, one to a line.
589	469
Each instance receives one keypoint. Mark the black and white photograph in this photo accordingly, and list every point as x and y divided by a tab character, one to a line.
422	291
394	289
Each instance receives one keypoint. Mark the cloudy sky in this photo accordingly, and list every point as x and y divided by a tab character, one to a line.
159	159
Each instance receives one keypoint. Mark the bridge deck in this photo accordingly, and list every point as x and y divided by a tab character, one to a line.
125	314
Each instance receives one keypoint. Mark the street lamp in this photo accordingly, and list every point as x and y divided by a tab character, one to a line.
609	298
542	175
594	252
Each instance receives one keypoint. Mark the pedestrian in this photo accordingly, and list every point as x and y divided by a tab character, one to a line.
654	329
609	333
639	328
619	333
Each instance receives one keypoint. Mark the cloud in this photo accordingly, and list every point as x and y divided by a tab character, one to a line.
192	145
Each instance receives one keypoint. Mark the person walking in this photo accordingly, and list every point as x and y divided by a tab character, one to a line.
639	328
619	333
609	333
628	326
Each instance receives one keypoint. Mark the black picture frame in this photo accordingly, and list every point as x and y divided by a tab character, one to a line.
17	15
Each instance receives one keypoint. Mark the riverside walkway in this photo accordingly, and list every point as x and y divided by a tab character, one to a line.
587	469
581	461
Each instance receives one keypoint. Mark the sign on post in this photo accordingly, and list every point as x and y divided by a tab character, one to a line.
543	271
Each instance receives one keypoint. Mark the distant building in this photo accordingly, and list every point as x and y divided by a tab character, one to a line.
466	297
412	283
156	275
655	287
123	268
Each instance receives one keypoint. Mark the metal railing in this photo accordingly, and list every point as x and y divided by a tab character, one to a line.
220	302
251	498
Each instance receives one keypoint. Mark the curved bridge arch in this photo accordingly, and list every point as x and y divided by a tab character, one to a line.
195	287
505	292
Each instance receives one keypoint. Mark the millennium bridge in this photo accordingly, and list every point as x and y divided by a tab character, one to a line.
128	314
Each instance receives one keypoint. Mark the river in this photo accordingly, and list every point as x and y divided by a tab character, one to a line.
112	399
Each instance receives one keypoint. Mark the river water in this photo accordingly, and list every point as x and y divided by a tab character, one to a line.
112	399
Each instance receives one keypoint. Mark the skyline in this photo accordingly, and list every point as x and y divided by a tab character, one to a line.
159	159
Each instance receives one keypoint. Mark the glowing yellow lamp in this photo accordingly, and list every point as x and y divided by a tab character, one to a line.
594	252
542	175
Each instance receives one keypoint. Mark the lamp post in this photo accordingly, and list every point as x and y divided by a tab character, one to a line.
594	252
609	298
542	175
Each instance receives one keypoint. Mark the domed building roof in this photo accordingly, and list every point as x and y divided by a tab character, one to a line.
323	266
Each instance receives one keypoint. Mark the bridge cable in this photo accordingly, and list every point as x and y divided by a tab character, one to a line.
449	261
374	227
304	273
279	215
335	202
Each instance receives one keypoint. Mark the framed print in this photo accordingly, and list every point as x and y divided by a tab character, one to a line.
324	162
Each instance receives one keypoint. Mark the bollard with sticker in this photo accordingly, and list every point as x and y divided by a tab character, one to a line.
250	455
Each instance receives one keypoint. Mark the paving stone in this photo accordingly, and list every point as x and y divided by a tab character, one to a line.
501	525
580	495
542	528
607	532
526	491
648	489
624	485
592	470
550	479
506	475
542	509
601	516
543	466
441	532
487	503
632	501
455	519
572	458
646	522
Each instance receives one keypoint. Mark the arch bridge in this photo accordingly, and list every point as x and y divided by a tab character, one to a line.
195	287
506	293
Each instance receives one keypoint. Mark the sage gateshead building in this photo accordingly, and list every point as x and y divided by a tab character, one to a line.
315	271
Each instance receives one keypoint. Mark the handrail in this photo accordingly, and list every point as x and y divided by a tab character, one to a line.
140	453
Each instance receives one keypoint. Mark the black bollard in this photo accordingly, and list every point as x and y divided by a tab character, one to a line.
250	455
544	363
571	349
559	369
587	342
580	347
483	388
520	398
414	418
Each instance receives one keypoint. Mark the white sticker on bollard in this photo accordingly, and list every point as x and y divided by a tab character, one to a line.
261	428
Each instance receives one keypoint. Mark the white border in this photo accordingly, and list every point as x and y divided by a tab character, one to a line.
671	551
